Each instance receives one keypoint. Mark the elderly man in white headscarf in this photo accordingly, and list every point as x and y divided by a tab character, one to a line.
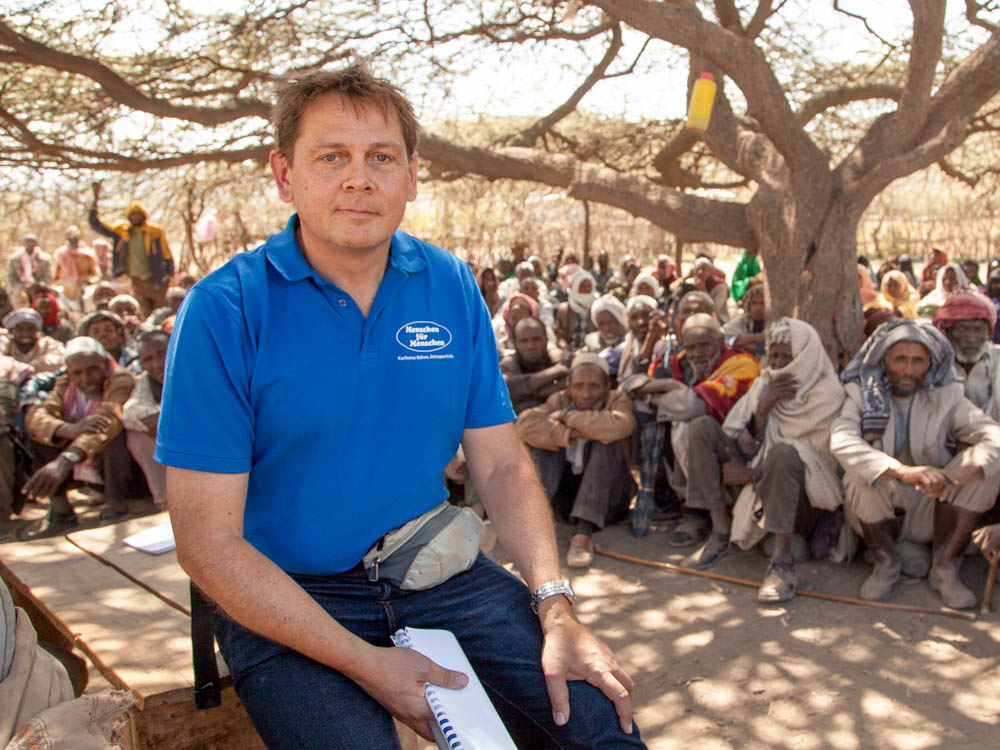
577	440
776	441
896	439
573	321
77	433
611	319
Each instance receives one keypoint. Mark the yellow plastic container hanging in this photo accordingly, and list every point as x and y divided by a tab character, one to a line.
702	99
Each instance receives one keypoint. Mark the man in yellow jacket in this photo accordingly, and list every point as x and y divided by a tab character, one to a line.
140	251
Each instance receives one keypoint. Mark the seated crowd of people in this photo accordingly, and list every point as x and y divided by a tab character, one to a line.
643	392
82	373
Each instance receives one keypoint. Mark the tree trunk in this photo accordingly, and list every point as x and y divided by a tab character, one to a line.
586	236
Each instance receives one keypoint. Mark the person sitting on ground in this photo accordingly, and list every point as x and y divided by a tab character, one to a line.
610	317
534	288
53	323
938	260
99	296
13	375
5	305
602	272
109	329
486	280
535	370
517	307
28	345
745	274
971	269
666	271
511	286
577	440
646	284
948	279
76	267
746	331
776	442
902	479
142	412
77	436
968	319
897	295
175	296
28	266
126	307
573	321
638	309
705	378
712	281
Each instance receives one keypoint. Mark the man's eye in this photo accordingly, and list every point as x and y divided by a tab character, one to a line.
383	158
331	157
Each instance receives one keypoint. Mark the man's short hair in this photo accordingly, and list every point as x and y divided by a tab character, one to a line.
530	319
151	335
702	322
589	359
355	83
697	294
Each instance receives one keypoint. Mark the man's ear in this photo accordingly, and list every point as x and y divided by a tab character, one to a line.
281	170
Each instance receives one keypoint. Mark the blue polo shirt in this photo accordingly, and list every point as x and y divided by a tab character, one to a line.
344	423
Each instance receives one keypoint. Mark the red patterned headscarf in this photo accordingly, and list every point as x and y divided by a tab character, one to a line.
965	304
53	317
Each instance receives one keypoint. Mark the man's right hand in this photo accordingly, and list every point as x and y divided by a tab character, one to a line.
91	424
988	540
929	480
397	683
780	387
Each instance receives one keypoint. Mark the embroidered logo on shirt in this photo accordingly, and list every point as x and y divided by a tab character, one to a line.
423	336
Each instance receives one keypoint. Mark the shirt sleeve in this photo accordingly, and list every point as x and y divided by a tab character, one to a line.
489	401
206	418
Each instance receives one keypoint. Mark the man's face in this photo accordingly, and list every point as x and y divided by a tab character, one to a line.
25	335
602	261
101	249
350	178
966	337
503	266
949	280
30	244
87	372
906	363
689	307
610	327
702	272
779	354
645	288
585	287
44	307
102	297
529	286
518	309
153	356
663	270
107	333
137	218
638	321
702	346
756	308
588	387
530	342
125	308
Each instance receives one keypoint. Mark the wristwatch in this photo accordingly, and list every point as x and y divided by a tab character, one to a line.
552	588
72	456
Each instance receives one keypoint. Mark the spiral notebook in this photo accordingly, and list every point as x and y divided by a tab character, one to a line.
466	719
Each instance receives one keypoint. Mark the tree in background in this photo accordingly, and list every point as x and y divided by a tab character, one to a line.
798	147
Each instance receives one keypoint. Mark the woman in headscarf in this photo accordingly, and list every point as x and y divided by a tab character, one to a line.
517	307
52	325
948	279
710	280
486	280
897	295
573	321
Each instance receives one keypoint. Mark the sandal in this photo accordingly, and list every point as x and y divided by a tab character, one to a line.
55	524
779	583
709	553
689	530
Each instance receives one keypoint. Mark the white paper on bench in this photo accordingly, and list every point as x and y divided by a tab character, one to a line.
155	540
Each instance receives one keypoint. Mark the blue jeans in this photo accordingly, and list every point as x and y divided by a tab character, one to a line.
295	702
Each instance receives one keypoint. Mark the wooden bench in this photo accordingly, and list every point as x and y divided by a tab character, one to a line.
128	613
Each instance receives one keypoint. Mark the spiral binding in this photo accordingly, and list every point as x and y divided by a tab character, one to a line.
402	638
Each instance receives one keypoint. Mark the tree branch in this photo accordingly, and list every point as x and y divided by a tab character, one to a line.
689	217
864	20
531	134
36	53
972	9
841	95
728	15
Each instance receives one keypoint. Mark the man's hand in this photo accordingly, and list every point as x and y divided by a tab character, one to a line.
44	482
988	540
736	472
397	683
780	387
929	480
91	424
572	652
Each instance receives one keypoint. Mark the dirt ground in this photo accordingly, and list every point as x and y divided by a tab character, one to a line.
714	669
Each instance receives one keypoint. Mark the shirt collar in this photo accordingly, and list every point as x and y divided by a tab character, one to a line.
285	255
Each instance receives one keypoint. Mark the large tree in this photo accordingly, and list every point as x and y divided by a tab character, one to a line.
799	143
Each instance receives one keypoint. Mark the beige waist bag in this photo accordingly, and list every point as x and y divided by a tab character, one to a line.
428	550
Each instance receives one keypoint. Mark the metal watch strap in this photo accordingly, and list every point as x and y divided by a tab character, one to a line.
72	456
552	588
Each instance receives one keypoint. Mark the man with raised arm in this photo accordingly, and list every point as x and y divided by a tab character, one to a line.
280	483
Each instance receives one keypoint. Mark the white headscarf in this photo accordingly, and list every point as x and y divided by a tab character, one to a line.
646	278
580	302
83	345
937	296
640	299
609	303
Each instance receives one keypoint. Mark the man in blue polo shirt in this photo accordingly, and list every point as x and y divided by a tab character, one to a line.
316	387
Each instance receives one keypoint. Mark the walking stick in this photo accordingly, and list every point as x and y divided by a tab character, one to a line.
991	579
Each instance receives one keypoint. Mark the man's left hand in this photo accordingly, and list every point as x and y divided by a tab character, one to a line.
44	482
572	652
